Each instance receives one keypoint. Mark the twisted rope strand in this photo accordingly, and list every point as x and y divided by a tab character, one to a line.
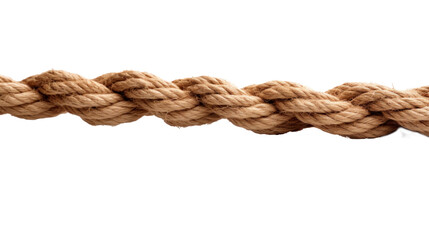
355	110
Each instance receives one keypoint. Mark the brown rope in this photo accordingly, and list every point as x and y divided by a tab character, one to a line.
356	110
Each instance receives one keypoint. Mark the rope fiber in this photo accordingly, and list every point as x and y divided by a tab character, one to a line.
355	110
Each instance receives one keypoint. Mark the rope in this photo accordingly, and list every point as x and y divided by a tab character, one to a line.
355	110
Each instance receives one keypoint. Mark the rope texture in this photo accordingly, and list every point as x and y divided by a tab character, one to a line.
355	110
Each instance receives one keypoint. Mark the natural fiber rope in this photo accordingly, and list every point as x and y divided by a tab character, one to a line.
356	110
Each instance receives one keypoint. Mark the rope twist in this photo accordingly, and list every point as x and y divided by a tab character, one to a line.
355	110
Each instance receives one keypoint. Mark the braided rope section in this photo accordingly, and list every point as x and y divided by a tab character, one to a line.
355	110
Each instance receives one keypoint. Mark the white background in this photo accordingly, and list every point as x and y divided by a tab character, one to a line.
61	178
